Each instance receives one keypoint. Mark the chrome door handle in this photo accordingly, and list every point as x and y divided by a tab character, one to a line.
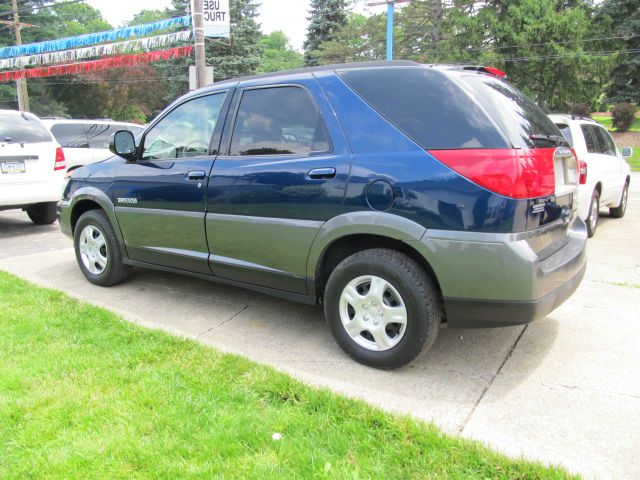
321	173
196	175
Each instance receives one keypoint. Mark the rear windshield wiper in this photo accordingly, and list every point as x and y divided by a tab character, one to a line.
555	139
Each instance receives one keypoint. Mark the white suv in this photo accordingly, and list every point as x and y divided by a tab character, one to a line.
604	172
86	141
32	166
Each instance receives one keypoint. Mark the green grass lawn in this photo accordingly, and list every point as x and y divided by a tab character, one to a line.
607	122
84	394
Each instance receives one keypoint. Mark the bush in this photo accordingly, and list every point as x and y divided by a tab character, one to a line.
623	115
580	109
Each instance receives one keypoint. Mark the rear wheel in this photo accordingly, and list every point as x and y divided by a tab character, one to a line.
619	211
594	214
382	308
98	251
43	213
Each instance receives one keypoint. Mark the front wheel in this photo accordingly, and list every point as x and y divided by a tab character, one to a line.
42	213
98	251
619	211
594	214
382	308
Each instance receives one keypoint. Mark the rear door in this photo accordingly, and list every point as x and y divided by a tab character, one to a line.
613	162
160	198
280	179
601	166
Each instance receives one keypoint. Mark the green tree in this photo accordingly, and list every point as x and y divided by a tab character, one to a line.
360	39
326	19
278	54
624	15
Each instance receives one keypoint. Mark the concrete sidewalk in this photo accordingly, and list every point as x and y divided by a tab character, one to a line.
563	390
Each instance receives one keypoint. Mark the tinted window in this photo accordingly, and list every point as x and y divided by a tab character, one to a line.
100	133
566	131
70	135
607	147
518	116
427	106
274	121
590	138
186	131
22	129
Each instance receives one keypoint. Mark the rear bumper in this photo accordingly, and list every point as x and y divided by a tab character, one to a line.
24	194
463	313
490	280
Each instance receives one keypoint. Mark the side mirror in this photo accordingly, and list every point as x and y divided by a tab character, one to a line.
626	152
123	143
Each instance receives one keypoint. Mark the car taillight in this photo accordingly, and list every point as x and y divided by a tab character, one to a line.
583	171
60	163
515	173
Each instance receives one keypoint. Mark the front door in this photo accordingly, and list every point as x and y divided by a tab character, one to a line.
160	197
280	179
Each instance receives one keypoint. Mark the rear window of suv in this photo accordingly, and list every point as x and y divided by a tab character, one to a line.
427	106
516	115
22	129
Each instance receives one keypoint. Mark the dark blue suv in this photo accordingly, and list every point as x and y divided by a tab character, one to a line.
400	196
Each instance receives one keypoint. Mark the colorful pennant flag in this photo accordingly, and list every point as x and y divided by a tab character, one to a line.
93	38
95	65
148	43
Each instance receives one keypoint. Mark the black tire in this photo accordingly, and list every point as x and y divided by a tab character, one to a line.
115	271
43	213
417	291
619	211
594	214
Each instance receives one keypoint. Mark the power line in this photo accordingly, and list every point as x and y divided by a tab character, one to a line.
31	8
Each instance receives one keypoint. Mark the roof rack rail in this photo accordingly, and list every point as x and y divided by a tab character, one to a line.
581	117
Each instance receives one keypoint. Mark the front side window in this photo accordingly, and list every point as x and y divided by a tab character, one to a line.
607	147
186	131
278	121
70	135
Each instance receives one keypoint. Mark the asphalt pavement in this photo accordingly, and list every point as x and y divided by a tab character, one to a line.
564	390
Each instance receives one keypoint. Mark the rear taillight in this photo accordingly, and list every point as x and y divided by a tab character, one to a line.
583	171
60	163
515	173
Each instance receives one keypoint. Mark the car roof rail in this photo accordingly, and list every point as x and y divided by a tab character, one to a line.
582	117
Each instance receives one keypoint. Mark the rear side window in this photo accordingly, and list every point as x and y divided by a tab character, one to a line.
427	106
22	129
607	147
518	116
70	135
99	134
278	121
566	132
590	138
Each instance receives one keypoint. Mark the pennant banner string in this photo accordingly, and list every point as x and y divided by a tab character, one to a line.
93	38
95	65
67	56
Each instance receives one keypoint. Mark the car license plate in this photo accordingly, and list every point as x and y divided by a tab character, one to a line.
13	167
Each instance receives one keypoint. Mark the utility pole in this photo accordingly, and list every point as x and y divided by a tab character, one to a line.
198	26
21	83
390	7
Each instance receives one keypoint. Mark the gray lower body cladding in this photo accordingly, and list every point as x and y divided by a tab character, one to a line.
491	280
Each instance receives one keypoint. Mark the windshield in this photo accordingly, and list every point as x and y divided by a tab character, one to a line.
22	129
521	119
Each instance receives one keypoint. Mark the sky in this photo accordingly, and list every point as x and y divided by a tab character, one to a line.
286	15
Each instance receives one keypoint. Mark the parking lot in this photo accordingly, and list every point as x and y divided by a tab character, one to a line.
564	390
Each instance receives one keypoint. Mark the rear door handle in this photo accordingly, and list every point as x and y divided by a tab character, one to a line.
196	175
321	173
